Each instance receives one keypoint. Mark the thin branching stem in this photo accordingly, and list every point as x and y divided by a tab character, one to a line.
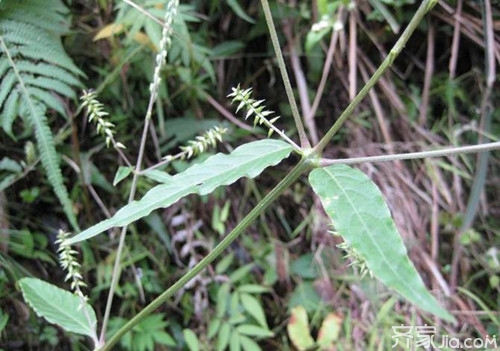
160	59
414	155
144	12
337	27
487	111
396	50
304	142
121	244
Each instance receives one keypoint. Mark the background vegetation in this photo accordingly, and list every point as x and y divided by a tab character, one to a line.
447	209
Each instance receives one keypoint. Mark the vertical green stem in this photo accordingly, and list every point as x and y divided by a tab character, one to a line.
121	244
304	142
296	172
396	50
160	60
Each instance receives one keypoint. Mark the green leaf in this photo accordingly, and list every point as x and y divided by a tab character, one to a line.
236	316
163	338
305	266
191	340
252	289
248	344
227	48
4	318
7	181
157	225
6	164
59	306
247	160
254	308
314	37
224	263
384	11
157	176
241	273
329	331
223	295
360	214
298	329
254	330
235	6
122	173
234	343
322	6
213	328
223	337
305	295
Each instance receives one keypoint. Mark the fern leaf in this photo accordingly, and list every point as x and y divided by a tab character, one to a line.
7	86
49	157
50	70
9	113
4	66
51	16
48	99
34	69
35	43
46	83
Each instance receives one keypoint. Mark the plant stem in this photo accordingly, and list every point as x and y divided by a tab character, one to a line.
396	50
160	60
414	155
328	63
295	173
121	244
304	142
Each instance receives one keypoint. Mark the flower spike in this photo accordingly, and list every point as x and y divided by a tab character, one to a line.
257	109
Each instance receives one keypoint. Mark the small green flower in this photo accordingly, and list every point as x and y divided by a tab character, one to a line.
166	41
203	142
256	109
68	262
97	115
253	107
355	257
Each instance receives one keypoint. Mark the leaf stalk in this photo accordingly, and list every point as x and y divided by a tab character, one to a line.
304	142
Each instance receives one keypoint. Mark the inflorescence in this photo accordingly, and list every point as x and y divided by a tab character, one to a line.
97	115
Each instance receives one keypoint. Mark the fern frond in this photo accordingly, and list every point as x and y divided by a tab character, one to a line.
34	69
50	71
51	16
9	112
7	86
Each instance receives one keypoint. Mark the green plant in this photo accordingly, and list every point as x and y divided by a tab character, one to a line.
188	58
33	63
351	200
145	335
239	315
